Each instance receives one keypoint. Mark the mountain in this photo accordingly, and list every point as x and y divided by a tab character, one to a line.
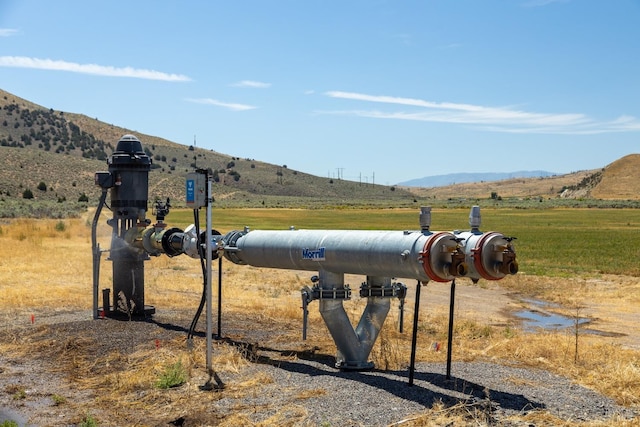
461	178
55	154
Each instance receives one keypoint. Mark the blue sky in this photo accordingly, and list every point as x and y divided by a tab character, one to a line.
378	91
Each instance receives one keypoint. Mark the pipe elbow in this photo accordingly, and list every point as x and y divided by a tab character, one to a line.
509	266
459	270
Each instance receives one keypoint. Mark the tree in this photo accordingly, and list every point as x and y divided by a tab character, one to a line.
27	194
83	198
42	186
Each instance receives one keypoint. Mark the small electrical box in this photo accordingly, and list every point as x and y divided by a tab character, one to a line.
196	190
104	179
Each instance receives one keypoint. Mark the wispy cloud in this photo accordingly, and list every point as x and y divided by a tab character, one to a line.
227	105
99	70
496	119
7	32
251	84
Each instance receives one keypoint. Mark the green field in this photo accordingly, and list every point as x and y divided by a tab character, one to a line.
550	242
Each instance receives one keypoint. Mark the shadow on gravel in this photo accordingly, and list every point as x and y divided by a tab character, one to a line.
470	390
431	387
434	388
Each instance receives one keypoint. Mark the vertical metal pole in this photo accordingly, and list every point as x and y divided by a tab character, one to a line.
401	320
450	337
414	338
208	268
305	315
219	297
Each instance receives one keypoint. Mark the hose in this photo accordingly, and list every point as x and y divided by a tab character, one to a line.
196	317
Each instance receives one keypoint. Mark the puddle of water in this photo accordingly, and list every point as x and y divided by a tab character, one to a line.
534	320
537	318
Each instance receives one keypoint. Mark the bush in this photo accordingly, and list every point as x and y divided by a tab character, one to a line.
89	421
174	375
83	198
27	194
42	186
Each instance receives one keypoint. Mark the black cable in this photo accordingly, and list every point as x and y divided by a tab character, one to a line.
196	317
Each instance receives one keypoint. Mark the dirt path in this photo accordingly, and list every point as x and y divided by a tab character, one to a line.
488	304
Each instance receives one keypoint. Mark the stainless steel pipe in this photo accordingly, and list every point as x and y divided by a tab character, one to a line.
423	256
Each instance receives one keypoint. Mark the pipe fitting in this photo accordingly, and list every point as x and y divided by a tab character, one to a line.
458	265
490	255
509	265
441	257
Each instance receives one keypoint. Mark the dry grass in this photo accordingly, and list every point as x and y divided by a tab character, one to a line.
46	267
479	414
45	264
619	179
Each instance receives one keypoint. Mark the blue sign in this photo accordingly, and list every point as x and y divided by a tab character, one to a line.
191	191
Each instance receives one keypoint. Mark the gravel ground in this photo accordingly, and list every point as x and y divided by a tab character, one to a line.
331	397
383	398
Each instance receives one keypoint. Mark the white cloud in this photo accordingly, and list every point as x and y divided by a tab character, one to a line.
495	119
227	105
251	84
7	32
99	70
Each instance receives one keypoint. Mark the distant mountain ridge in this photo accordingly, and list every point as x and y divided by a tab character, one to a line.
462	178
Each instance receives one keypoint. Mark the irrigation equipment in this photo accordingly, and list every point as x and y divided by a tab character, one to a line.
134	238
383	257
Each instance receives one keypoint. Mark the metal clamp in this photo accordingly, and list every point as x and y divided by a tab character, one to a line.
395	290
317	293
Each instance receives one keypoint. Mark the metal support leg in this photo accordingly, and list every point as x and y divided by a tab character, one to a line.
450	337
414	337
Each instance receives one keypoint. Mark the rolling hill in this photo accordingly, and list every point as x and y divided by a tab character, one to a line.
55	155
63	151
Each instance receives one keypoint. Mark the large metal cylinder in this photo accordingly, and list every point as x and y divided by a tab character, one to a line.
380	255
423	256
